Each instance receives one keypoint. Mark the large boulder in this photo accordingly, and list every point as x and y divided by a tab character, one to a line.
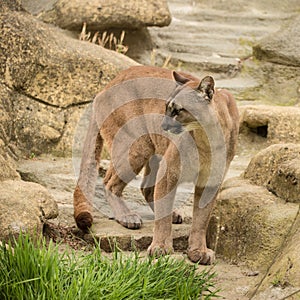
100	14
275	124
29	127
281	47
45	75
277	64
277	168
42	62
249	224
256	212
23	208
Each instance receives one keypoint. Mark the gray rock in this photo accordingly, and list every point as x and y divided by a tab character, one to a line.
23	207
101	15
278	168
281	47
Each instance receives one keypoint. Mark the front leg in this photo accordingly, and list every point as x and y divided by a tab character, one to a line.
164	195
198	251
162	242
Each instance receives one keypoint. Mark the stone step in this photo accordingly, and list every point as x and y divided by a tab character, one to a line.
201	38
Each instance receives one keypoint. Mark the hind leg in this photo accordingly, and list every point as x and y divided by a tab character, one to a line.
114	187
121	171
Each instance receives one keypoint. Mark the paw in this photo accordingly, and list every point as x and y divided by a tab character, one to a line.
159	250
203	257
130	221
176	217
84	220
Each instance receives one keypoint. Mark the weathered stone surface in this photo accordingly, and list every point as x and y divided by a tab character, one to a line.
278	71
44	75
10	5
281	47
7	170
286	182
285	271
72	130
101	14
265	6
23	207
276	124
28	125
251	224
42	62
111	234
278	168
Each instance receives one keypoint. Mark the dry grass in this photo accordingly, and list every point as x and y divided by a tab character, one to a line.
109	41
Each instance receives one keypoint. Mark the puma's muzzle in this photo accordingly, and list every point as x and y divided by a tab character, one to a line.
170	125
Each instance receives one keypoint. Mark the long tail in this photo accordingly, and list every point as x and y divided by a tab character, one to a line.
85	188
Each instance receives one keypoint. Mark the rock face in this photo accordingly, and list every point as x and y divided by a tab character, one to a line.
41	62
285	271
277	168
10	5
7	170
281	47
101	15
44	76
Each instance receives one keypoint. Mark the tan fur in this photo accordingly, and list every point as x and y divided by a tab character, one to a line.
141	154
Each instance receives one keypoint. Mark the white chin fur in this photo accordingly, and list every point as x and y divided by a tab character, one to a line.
192	126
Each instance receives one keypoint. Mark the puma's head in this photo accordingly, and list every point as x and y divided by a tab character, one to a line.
178	116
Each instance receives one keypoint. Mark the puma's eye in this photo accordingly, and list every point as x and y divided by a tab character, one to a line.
177	111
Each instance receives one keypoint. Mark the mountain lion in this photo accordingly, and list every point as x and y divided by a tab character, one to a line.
177	128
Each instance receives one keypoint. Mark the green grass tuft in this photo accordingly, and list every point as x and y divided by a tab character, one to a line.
40	271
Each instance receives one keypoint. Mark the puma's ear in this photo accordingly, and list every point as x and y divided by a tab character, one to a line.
206	87
179	78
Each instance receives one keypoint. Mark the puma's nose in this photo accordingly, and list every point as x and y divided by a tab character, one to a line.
165	123
171	125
